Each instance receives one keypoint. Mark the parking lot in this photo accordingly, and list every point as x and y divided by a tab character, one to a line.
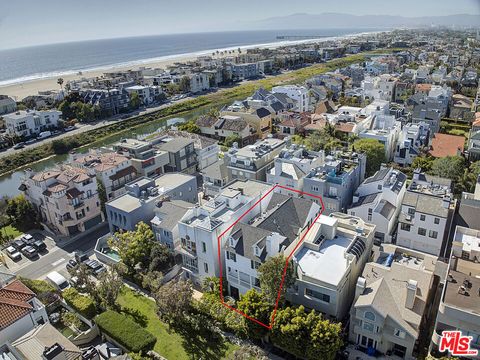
55	257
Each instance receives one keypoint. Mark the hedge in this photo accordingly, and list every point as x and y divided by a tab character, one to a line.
80	303
125	331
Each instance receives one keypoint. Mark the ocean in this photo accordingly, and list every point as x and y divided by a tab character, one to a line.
47	61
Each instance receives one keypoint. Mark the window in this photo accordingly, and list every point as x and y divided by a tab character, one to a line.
231	256
254	264
205	267
379	187
436	221
411	211
369	315
256	282
422	217
315	188
204	247
368	326
432	234
422	231
399	333
317	295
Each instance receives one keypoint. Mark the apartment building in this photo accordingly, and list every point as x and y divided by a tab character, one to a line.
292	165
201	226
147	160
112	170
385	129
253	161
336	180
328	263
459	307
378	200
65	197
181	153
411	140
426	214
143	195
298	93
281	221
30	123
392	302
20	311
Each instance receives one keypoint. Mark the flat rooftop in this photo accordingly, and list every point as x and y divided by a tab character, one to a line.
462	288
328	264
249	188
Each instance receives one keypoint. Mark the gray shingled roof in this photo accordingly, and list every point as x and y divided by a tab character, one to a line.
247	236
425	204
174	211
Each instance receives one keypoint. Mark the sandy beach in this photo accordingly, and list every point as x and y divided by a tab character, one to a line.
22	90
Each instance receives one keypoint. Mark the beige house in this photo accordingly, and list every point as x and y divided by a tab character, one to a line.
392	300
112	169
65	197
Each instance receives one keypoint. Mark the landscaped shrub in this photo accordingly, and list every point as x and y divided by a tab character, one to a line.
125	331
81	304
45	292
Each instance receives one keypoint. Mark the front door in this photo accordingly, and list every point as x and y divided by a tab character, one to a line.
234	292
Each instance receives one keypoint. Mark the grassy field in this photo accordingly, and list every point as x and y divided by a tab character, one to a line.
10	231
169	344
13	162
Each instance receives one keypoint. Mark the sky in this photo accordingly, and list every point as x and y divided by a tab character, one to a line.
34	22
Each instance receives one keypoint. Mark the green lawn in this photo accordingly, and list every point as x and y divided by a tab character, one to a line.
10	231
169	344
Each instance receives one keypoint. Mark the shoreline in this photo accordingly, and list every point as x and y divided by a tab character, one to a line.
20	88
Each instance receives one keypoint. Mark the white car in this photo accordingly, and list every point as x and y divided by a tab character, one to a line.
13	253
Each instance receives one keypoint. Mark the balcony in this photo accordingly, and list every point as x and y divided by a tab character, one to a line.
78	205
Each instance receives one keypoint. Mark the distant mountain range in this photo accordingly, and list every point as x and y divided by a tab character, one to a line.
339	20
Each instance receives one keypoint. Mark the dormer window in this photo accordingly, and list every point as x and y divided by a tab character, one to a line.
232	242
257	251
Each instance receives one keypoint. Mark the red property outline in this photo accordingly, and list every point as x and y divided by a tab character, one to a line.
269	327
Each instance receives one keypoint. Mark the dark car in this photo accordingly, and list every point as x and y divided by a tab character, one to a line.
28	239
72	263
39	245
29	251
95	267
81	257
19	244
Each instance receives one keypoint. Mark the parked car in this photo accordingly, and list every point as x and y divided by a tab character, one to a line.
29	239
69	128
81	257
40	245
29	251
13	253
19	244
95	267
31	141
58	280
19	145
72	263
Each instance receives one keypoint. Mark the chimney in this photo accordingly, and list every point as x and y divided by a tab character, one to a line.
360	287
411	294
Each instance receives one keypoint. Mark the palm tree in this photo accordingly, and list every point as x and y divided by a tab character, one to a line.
60	82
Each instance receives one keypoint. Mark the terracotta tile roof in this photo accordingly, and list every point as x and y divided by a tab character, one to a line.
124	172
44	175
423	87
476	122
57	187
13	303
446	145
344	127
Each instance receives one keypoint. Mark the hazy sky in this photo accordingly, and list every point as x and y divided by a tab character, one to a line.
32	22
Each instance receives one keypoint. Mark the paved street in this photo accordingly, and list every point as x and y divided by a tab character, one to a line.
56	259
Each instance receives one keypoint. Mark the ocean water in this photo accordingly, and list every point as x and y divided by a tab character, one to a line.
31	63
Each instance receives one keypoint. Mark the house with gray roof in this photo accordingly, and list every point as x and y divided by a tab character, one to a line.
392	300
165	222
278	225
378	200
426	214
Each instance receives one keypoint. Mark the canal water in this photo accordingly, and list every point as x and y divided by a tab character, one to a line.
9	183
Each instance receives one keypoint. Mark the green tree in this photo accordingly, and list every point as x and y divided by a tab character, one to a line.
134	101
70	319
423	162
160	258
189	126
21	212
174	300
184	84
152	280
60	82
375	152
109	286
306	335
271	273
450	167
134	247
229	140
257	306
102	194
